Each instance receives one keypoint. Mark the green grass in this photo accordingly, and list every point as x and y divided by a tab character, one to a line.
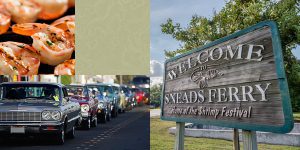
160	139
296	116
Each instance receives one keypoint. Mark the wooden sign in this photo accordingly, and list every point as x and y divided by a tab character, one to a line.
237	81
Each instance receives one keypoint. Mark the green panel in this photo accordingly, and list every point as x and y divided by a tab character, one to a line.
286	103
112	37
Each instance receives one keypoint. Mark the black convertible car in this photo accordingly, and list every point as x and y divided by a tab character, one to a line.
37	108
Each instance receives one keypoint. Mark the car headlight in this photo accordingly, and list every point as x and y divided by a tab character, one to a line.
100	105
51	115
56	115
46	115
85	108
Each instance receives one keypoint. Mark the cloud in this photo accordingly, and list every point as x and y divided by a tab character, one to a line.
156	68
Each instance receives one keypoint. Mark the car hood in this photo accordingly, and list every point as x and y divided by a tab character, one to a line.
28	106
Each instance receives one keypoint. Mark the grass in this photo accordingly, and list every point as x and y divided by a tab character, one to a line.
296	116
160	139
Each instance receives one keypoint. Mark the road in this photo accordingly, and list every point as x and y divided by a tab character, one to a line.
129	131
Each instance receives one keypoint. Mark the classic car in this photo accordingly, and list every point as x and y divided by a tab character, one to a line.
104	105
120	96
143	83
128	96
108	91
35	108
88	104
139	95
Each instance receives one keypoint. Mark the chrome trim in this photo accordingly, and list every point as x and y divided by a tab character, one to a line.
73	119
20	116
30	124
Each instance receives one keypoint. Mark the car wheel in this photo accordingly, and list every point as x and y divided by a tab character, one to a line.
95	122
71	134
104	118
113	113
87	124
108	117
60	137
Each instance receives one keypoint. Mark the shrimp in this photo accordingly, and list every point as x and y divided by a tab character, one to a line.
66	68
5	19
18	59
53	44
52	9
71	3
22	11
67	23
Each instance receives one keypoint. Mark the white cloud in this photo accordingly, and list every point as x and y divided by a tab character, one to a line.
156	80
156	68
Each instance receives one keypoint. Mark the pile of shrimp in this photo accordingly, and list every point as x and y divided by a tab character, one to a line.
53	44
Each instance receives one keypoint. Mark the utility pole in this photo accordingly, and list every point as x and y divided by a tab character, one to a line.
121	79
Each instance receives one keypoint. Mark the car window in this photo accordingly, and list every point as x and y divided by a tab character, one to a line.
77	91
29	92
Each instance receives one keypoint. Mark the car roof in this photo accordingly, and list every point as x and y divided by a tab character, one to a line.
75	84
107	84
27	83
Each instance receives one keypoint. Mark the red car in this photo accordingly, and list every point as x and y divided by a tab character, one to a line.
139	95
88	104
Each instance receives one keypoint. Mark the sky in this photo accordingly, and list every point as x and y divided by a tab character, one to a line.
180	11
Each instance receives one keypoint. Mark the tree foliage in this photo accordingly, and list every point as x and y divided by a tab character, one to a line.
155	93
237	15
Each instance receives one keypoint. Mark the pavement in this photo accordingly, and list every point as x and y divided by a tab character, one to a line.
154	112
129	131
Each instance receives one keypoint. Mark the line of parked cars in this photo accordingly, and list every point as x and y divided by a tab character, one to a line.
35	108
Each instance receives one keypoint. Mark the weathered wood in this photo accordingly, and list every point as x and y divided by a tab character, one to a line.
249	140
229	82
179	136
236	139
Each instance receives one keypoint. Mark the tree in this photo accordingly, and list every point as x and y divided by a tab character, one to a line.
155	93
237	15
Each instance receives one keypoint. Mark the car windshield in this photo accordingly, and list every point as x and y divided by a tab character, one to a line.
29	92
77	91
141	80
100	91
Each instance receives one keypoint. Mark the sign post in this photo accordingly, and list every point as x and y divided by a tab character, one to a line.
237	81
236	139
179	136
250	141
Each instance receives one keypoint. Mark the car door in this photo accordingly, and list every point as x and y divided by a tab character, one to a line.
70	106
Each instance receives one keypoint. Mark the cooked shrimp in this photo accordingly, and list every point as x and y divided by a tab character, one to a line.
52	9
71	3
66	68
54	45
5	19
22	11
18	58
67	23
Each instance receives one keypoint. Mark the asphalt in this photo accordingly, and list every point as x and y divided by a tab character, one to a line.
129	131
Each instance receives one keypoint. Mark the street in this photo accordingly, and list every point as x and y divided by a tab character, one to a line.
129	131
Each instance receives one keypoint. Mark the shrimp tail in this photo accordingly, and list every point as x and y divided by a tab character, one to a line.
28	29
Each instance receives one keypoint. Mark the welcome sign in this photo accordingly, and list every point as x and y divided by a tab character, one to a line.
237	81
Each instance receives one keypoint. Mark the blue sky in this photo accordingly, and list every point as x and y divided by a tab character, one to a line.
180	11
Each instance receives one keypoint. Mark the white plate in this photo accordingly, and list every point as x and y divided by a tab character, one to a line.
17	129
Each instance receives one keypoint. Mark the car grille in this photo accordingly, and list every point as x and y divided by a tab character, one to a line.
20	116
